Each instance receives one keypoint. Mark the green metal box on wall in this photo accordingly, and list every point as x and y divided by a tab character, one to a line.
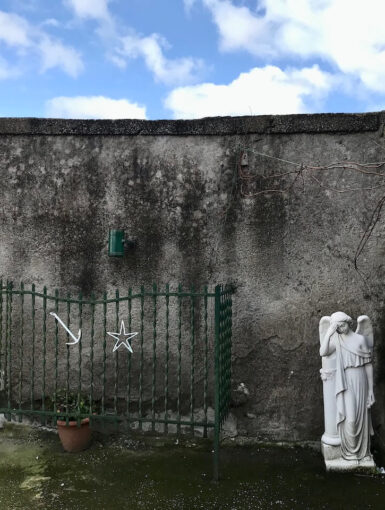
116	243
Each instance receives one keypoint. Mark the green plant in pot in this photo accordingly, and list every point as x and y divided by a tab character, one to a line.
73	429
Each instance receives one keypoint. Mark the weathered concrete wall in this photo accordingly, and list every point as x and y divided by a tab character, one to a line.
176	187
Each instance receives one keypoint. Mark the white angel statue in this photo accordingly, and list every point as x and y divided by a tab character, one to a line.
348	384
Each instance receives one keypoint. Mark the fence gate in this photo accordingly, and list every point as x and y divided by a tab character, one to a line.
152	360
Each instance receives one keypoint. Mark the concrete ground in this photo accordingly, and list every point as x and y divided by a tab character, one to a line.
127	473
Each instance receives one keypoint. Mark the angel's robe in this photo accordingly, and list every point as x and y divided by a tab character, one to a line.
352	387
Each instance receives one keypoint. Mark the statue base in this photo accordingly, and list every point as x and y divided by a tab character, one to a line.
335	462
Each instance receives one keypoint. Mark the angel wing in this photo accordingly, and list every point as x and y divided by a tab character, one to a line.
324	324
365	328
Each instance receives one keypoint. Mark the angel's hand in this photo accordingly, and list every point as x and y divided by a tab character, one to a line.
370	400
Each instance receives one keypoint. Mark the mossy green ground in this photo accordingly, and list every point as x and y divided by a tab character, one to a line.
159	474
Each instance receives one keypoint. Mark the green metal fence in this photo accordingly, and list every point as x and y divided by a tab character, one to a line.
176	379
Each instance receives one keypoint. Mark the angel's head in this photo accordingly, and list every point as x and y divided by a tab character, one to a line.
343	321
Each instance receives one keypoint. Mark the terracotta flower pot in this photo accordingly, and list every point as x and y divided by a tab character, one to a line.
72	437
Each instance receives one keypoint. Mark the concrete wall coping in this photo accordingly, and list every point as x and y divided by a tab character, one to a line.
260	124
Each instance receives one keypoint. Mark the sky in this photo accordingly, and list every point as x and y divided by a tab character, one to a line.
157	59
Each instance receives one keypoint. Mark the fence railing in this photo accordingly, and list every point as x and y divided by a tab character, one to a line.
156	359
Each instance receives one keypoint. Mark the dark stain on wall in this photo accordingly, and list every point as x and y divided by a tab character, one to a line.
176	190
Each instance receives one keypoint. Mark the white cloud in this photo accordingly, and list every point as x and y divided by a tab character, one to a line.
122	47
118	61
239	28
50	22
94	9
265	90
28	40
55	54
93	107
188	4
346	33
6	71
150	48
14	30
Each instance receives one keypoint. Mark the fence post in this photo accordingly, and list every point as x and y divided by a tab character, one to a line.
217	382
9	373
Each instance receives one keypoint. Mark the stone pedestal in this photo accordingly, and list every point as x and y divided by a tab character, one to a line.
334	461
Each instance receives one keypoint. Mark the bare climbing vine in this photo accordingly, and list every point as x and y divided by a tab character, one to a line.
302	172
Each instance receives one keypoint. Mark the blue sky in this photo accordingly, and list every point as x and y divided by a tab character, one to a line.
190	58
